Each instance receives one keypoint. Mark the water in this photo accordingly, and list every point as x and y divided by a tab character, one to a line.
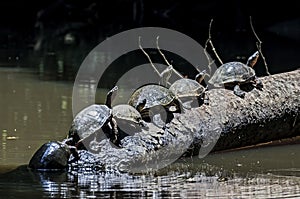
34	112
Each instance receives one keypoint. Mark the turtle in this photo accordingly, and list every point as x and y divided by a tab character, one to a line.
149	100
235	74
128	119
53	155
90	122
126	112
189	90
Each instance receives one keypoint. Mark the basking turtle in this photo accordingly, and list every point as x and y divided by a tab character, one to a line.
89	124
129	120
189	90
150	99
126	112
235	74
53	155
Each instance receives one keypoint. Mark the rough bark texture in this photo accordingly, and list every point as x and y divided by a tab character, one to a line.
262	116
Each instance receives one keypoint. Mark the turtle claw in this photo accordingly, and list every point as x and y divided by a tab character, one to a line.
237	91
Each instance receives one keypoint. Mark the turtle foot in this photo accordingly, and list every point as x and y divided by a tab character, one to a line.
259	85
74	153
237	91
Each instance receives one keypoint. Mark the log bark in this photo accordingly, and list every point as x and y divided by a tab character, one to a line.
262	116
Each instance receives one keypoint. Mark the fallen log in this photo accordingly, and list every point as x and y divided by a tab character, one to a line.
227	122
230	122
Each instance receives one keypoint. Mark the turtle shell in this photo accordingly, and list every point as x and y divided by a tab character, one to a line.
153	94
126	112
187	88
232	72
50	156
90	120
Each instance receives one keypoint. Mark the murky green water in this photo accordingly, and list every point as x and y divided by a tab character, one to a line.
34	112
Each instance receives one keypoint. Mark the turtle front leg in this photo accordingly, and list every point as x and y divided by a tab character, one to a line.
115	131
258	84
73	149
111	131
75	154
205	99
238	91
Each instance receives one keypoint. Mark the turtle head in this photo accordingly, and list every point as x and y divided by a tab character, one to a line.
109	96
200	76
252	59
140	106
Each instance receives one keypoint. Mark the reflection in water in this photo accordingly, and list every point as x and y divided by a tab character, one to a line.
179	182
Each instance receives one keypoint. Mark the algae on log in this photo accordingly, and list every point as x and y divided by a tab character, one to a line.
231	122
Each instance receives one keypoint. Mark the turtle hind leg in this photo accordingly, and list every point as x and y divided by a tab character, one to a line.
238	91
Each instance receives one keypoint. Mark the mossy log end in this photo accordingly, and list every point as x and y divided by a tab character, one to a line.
231	122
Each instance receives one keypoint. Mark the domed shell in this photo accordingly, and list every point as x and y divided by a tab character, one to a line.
231	72
90	120
154	95
126	112
50	156
186	88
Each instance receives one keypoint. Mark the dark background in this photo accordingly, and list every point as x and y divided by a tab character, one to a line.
32	33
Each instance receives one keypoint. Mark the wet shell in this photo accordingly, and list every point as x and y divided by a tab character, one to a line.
126	112
187	88
154	95
90	120
232	72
